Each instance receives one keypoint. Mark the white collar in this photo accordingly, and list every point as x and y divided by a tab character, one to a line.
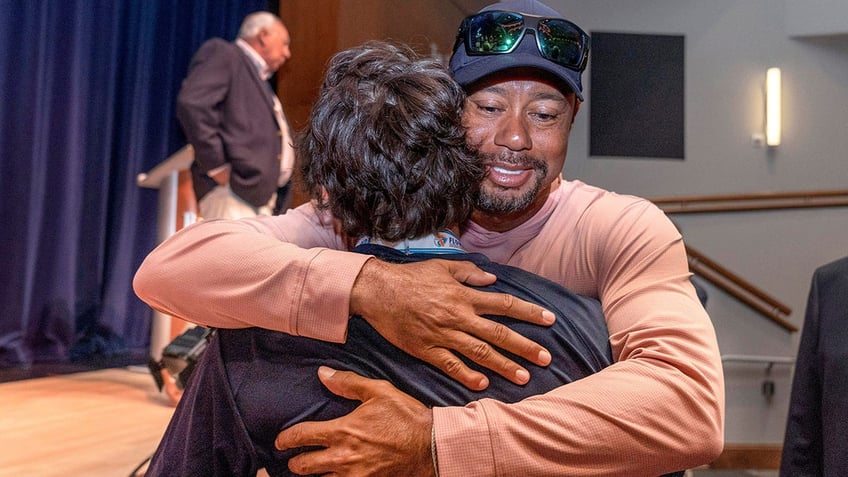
439	243
257	60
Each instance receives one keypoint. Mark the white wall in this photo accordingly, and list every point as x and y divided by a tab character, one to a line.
816	17
729	45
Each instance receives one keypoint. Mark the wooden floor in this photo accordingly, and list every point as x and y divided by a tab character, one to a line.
97	423
104	424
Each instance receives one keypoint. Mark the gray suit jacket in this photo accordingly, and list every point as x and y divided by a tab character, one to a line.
227	113
816	440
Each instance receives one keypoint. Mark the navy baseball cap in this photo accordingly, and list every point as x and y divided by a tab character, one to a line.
467	69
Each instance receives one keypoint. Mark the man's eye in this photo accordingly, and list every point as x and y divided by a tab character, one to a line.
488	109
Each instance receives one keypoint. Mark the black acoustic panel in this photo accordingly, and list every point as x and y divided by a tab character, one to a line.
637	96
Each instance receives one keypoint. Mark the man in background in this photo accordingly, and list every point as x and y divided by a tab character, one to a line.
816	438
234	120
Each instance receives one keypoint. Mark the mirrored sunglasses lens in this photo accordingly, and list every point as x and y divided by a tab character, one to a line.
494	32
560	42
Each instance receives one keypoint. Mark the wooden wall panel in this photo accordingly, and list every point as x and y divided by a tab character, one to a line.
320	28
313	26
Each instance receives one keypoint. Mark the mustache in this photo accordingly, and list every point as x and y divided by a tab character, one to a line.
522	160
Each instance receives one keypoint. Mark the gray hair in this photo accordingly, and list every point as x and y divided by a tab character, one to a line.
256	21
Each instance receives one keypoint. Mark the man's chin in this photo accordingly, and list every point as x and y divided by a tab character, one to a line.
499	200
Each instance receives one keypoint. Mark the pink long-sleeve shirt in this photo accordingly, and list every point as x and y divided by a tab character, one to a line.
658	409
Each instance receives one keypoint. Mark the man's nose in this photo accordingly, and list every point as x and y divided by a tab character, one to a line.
514	133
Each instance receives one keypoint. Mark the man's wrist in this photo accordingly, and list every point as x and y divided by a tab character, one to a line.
367	278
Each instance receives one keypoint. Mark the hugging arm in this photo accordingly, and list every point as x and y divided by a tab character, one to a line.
269	272
659	408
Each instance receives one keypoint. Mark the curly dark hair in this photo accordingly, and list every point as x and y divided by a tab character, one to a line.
384	149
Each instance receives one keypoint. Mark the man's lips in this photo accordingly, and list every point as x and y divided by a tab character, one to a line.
509	175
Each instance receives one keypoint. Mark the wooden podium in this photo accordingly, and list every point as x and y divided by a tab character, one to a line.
176	209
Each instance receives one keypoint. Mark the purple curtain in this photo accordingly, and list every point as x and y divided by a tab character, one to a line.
88	90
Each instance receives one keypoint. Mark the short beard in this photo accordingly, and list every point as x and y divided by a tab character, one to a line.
491	202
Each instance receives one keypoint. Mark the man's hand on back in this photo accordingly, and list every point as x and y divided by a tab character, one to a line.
425	309
388	434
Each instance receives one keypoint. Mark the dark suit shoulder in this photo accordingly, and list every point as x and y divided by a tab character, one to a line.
217	43
217	47
835	270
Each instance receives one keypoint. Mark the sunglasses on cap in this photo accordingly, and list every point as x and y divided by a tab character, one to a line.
499	32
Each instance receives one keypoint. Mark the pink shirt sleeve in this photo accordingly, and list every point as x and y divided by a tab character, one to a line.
283	273
658	409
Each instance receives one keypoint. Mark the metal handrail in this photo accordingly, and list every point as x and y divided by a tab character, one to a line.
752	201
740	289
720	276
749	358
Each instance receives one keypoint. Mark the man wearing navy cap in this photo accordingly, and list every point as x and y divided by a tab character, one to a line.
250	383
659	408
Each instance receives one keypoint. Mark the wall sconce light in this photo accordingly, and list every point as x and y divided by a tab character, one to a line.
773	107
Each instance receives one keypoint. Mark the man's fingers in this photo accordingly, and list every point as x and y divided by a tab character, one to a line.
489	357
348	384
504	304
457	369
470	274
309	433
503	337
488	303
315	461
306	463
498	303
390	431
